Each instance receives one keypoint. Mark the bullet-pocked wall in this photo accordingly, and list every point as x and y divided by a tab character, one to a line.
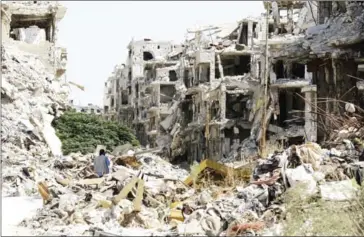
146	50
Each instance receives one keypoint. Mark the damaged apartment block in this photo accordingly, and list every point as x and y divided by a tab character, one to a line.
142	92
314	71
203	99
36	23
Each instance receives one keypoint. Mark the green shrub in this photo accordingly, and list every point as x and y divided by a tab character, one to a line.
80	132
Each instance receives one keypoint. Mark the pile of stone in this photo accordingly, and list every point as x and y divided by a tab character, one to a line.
30	99
80	203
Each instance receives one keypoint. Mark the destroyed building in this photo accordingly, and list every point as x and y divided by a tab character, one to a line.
320	68
34	89
35	23
140	92
87	109
111	90
206	97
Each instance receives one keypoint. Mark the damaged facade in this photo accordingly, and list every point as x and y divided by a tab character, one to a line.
88	109
322	67
141	92
200	99
35	23
34	89
204	99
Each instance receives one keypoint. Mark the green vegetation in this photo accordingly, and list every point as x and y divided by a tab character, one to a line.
81	132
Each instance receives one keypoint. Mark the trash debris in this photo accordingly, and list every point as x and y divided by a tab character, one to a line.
231	189
302	175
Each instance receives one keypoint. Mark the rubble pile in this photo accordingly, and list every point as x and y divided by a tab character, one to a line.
80	203
78	192
197	102
347	136
30	99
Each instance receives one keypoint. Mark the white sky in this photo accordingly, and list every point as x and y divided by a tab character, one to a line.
96	33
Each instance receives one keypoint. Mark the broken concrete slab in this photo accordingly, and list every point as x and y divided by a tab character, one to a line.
95	181
339	190
302	175
121	150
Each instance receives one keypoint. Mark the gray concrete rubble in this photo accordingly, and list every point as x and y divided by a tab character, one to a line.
199	110
83	204
204	98
33	92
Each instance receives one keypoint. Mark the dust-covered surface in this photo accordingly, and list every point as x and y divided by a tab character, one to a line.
80	203
295	190
14	210
30	100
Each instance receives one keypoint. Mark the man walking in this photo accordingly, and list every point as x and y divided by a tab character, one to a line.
101	164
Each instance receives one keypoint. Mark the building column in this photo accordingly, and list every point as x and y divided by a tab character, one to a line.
222	102
263	29
250	34
158	93
308	75
212	69
310	112
262	65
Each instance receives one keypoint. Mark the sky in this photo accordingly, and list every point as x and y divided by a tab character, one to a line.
96	33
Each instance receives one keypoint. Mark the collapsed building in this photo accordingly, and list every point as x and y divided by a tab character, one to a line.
322	67
139	93
32	26
200	99
34	89
205	98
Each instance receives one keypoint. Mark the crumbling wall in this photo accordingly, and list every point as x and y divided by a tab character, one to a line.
334	84
220	78
5	22
31	97
145	50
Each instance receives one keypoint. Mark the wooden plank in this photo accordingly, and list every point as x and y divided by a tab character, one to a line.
96	181
125	191
202	166
139	196
176	215
103	233
243	172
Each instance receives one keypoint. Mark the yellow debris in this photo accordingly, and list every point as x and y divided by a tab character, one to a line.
176	215
127	189
105	203
243	172
44	192
175	204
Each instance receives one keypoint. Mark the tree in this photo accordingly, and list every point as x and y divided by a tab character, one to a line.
80	132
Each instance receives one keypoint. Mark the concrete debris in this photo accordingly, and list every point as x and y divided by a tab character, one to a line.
140	197
196	103
302	175
33	92
204	99
339	190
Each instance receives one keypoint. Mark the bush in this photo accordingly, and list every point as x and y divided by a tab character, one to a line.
81	132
